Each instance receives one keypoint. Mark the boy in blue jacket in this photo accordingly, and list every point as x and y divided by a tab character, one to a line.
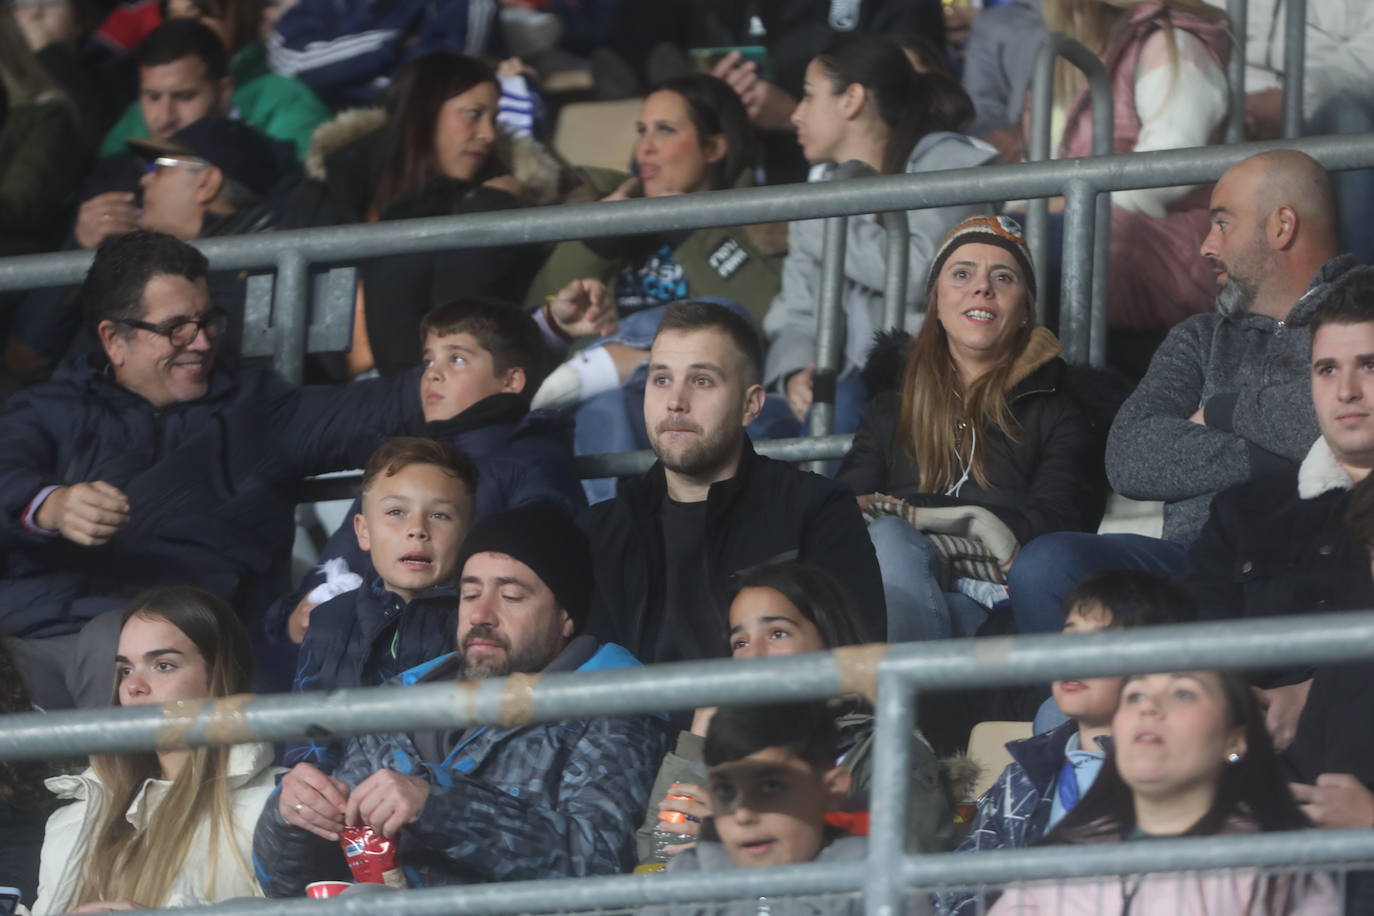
417	504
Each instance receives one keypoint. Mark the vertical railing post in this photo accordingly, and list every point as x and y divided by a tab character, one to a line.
829	313
887	832
1238	11
1294	59
290	297
1054	46
898	275
1075	318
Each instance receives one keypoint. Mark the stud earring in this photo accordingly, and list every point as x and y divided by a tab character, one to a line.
1233	758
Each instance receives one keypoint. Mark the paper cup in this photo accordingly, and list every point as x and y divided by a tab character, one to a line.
321	890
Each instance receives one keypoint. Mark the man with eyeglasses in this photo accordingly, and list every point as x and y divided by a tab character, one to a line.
151	462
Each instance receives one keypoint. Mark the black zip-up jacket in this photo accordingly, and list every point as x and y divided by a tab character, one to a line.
1048	478
212	484
768	512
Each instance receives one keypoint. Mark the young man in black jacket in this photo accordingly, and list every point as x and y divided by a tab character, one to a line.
1280	544
668	544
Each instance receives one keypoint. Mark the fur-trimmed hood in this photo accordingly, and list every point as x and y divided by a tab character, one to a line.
1320	472
532	164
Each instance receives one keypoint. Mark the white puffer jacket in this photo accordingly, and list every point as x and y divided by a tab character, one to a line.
71	830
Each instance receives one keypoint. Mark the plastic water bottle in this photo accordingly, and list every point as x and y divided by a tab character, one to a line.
666	835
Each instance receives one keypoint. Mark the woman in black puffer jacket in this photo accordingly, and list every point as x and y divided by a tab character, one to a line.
982	440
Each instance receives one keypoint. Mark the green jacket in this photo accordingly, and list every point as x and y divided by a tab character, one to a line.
734	262
40	167
279	106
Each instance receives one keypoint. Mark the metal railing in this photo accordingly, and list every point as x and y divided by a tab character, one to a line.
292	251
895	674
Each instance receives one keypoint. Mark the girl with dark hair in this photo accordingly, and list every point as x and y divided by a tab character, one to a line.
982	438
1190	756
788	609
694	135
863	101
175	827
433	150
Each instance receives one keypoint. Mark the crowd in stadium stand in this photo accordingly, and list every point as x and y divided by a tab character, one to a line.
152	507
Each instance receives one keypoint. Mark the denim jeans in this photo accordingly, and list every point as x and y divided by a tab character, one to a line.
1049	567
918	607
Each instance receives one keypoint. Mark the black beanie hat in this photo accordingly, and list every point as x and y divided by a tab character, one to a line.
543	537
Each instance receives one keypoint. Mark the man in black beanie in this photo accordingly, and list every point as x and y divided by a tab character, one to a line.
488	803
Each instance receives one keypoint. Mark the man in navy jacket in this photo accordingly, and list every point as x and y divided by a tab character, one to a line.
150	461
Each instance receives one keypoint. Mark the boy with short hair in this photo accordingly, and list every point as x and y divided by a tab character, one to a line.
484	359
773	778
416	509
1051	771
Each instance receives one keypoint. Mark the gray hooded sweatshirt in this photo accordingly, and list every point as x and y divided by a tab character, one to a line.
790	324
1250	374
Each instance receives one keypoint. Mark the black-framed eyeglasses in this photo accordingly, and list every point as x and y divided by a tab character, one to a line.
182	331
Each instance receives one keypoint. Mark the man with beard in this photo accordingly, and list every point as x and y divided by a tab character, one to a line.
1227	395
488	803
668	545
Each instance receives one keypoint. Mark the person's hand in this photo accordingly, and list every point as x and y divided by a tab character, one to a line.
88	514
630	187
584	307
695	803
1338	800
299	621
106	906
701	720
868	499
1282	707
769	106
1010	144
313	801
104	215
387	801
1199	416
1264	115
800	389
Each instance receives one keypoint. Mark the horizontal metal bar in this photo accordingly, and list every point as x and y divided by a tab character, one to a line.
935	665
719	208
1300	849
612	464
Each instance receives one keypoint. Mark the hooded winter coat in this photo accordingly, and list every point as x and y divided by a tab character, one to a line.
72	829
557	800
211	483
1047	478
1278	545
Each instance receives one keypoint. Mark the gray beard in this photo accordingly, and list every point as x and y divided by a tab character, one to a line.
1235	298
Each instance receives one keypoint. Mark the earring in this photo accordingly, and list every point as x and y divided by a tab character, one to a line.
1233	758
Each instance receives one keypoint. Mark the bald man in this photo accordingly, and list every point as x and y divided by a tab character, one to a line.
1226	397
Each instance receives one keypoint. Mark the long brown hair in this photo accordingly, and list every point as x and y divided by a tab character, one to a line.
937	416
142	865
414	100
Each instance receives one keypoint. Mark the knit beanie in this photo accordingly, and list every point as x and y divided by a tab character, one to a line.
1002	231
543	537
